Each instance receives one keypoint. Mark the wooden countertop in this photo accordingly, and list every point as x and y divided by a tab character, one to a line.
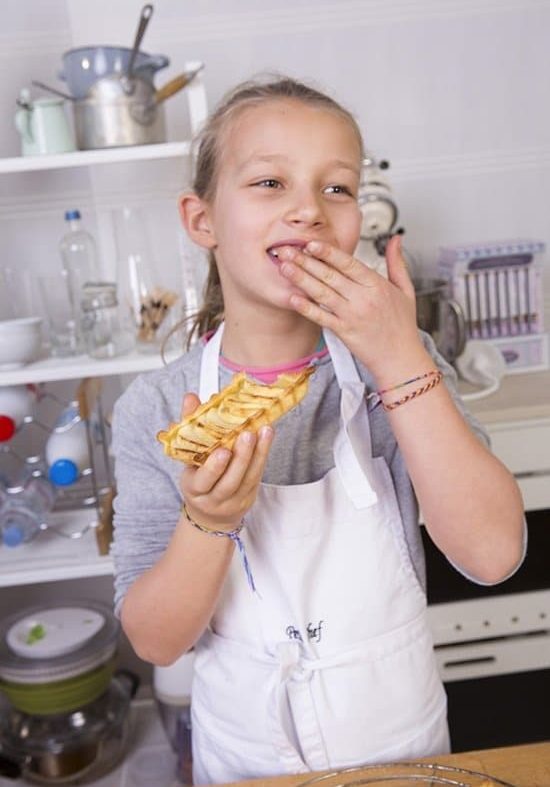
522	766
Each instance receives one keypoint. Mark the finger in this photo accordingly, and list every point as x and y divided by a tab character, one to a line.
255	469
316	290
231	480
347	264
190	403
201	480
315	313
397	267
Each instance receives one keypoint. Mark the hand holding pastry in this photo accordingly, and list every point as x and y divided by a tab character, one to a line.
226	441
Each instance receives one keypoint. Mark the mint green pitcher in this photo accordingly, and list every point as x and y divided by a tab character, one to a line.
43	126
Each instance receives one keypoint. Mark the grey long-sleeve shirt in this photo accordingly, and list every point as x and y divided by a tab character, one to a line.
148	501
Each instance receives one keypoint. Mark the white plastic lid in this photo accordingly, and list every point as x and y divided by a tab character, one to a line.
54	632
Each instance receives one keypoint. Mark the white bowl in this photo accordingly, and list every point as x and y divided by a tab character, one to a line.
20	342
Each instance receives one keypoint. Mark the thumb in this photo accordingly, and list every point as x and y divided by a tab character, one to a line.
190	403
397	267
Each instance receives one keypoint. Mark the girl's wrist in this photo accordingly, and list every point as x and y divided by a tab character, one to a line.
396	369
206	525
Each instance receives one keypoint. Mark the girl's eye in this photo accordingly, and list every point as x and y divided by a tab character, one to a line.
338	189
270	183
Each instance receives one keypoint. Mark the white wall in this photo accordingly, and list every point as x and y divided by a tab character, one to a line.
455	93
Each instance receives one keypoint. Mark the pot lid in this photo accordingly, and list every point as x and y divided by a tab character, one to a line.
56	642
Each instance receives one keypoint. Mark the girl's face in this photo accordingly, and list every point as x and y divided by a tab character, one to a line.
288	173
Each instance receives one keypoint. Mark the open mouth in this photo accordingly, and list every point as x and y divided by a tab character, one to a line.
273	251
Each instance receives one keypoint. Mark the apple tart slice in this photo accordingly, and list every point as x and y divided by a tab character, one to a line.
243	405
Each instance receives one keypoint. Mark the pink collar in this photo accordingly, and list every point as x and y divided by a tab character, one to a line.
268	374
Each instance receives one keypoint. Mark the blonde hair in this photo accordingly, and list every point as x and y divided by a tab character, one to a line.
207	162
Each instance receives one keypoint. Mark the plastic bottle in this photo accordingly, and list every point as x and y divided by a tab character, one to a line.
66	448
79	256
24	507
16	403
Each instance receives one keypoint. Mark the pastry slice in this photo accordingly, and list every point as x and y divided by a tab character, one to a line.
242	405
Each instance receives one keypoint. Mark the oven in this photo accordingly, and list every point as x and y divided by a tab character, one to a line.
493	646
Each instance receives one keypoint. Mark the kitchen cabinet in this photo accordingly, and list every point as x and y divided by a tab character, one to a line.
50	557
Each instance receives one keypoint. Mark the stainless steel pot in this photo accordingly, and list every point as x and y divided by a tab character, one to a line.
69	748
111	117
440	316
118	111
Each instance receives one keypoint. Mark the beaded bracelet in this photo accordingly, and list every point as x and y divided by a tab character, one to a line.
233	535
436	376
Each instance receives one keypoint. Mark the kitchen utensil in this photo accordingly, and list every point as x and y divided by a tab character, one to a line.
145	16
65	748
440	316
85	65
500	287
20	342
109	117
43	126
53	90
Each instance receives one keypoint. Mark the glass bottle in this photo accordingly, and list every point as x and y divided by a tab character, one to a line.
78	255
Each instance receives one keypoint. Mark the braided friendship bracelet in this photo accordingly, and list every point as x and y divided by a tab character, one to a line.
436	376
414	394
231	534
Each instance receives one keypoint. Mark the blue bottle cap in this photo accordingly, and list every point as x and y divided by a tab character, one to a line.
12	535
72	214
63	472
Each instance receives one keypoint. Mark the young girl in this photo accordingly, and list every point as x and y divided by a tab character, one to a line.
329	662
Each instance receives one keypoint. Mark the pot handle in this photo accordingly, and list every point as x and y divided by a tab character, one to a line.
175	85
11	769
132	680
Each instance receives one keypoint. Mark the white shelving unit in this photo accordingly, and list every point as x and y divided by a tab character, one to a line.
87	158
79	366
49	556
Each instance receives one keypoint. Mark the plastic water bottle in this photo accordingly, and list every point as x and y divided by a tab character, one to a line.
79	256
66	448
16	403
23	508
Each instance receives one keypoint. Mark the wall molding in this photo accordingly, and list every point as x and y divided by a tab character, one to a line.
55	203
463	165
469	165
348	14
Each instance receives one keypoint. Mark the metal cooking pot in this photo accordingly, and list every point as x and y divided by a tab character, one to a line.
440	316
118	111
111	117
75	747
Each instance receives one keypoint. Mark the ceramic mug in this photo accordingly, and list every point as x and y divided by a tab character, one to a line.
44	128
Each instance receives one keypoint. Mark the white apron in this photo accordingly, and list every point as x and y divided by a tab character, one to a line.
331	663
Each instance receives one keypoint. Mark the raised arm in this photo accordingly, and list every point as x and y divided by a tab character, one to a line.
471	503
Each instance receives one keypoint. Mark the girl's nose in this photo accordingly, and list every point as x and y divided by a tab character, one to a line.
305	209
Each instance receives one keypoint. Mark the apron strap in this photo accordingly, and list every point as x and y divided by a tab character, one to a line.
209	382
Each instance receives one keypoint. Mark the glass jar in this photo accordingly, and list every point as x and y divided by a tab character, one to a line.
103	333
